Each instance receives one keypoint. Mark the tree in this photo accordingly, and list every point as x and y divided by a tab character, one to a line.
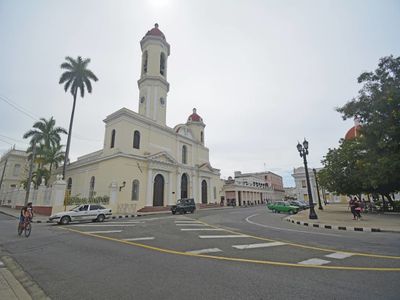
45	132
375	162
76	77
53	156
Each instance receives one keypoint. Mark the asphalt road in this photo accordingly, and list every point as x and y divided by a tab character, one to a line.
240	253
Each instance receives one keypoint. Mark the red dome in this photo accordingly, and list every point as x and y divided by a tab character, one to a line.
155	32
194	117
353	132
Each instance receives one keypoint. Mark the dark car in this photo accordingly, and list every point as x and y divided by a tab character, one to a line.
184	206
300	204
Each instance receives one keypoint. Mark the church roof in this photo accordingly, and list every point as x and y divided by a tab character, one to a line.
353	132
155	32
194	117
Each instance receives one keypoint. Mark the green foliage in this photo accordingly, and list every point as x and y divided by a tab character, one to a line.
370	163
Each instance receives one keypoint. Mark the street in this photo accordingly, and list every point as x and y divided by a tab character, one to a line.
241	253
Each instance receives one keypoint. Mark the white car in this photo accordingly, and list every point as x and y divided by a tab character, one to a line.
84	212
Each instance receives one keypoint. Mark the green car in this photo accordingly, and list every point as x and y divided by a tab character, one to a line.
281	206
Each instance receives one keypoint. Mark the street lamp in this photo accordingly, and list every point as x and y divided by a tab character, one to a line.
316	183
303	150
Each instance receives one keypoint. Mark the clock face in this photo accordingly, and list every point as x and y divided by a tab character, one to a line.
142	100
162	101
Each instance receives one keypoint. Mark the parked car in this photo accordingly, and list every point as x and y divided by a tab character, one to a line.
302	205
281	206
183	206
83	212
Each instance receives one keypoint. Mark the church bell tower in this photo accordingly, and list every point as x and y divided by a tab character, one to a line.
153	84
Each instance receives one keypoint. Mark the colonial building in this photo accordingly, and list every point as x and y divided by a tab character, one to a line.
253	188
12	171
152	164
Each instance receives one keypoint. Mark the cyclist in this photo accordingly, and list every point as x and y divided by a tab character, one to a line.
26	212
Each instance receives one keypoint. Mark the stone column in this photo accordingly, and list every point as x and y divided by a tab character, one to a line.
114	196
58	195
170	195
149	194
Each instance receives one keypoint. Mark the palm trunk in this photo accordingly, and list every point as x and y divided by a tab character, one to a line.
69	136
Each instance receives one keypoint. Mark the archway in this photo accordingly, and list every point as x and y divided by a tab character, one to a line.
158	191
204	192
184	186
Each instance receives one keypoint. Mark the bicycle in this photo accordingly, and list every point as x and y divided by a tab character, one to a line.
26	227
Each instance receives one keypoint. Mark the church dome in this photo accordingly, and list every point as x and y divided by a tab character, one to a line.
354	131
155	32
194	117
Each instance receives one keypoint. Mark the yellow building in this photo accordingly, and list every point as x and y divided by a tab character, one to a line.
152	164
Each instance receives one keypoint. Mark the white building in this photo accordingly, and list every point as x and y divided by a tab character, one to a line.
152	164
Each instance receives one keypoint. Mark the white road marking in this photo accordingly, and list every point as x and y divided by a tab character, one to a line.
286	229
190	224
147	238
186	221
128	222
223	236
314	261
104	225
211	250
103	231
339	255
262	245
202	229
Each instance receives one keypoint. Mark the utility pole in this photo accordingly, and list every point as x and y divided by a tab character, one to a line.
28	186
2	175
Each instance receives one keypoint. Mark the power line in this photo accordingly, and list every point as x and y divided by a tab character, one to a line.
15	140
20	109
1	140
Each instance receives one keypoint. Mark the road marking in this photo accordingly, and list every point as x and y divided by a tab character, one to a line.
314	262
223	236
339	255
211	250
128	222
236	259
102	231
147	238
286	229
262	245
190	224
186	221
202	229
103	225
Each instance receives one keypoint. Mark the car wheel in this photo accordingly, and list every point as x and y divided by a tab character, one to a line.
100	218
181	211
290	212
173	212
65	220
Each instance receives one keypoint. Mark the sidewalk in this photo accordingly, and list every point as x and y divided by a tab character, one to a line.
10	288
339	217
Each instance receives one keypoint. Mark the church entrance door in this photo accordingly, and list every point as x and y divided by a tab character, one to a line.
184	186
158	192
204	192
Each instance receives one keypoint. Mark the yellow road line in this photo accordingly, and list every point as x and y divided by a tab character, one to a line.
265	262
308	247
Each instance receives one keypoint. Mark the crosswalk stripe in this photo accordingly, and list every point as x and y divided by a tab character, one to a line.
211	250
103	231
222	236
262	245
339	255
104	225
314	261
147	238
202	229
190	224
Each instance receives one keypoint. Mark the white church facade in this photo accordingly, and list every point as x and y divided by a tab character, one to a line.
152	165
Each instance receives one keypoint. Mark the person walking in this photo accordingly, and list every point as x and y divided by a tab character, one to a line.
358	208
352	205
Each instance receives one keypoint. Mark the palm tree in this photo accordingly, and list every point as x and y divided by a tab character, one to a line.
53	156
77	76
45	133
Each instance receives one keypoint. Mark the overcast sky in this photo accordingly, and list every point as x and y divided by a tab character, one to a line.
262	74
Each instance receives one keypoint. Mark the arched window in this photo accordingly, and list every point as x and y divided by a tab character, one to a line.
136	139
202	137
135	190
162	64
112	138
184	154
144	60
91	188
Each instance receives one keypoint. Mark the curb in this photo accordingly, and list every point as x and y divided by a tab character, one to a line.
337	227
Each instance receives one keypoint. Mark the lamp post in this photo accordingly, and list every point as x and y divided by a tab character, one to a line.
303	150
316	183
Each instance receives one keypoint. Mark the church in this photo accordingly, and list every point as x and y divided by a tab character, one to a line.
153	165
